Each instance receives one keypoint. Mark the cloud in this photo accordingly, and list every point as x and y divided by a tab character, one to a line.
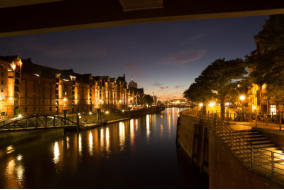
184	57
178	86
157	84
132	68
163	87
190	39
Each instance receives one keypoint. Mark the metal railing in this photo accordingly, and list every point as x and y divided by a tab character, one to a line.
267	162
37	121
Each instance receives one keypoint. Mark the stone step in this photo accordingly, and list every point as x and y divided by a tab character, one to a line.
270	145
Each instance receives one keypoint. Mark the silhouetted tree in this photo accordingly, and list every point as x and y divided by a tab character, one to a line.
147	99
220	80
267	62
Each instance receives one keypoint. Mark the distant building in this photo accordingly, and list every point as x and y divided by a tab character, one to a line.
29	88
132	84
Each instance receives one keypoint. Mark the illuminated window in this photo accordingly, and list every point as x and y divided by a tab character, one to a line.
273	109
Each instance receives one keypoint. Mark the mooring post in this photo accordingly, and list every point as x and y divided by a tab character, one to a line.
45	122
36	120
78	122
65	112
54	121
280	120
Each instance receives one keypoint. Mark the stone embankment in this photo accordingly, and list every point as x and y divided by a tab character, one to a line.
22	135
213	156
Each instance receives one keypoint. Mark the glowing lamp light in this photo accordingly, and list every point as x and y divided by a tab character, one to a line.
65	99
122	111
212	104
20	116
13	66
11	98
201	104
227	103
107	112
120	101
242	97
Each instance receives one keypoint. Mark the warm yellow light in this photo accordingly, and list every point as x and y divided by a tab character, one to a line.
13	66
242	97
90	113
201	104
107	112
211	104
120	101
122	111
65	99
20	116
227	103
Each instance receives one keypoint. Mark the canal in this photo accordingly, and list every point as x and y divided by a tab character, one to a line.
137	153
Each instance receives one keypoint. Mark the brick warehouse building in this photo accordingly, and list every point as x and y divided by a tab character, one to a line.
28	88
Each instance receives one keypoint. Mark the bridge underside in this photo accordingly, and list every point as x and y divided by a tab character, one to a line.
20	17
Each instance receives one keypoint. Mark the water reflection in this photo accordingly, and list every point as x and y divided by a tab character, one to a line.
80	144
78	156
56	153
102	139
121	135
15	172
148	126
107	140
91	147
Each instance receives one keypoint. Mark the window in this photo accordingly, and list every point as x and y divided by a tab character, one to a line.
272	109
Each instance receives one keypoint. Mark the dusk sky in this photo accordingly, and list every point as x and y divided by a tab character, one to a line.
164	58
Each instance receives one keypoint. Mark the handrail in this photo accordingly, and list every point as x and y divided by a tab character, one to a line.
267	162
38	118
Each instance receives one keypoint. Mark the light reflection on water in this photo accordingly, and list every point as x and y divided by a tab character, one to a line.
128	149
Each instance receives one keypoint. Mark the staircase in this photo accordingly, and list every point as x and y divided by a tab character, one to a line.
255	150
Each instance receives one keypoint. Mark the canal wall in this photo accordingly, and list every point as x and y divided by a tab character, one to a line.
192	136
208	152
17	137
226	171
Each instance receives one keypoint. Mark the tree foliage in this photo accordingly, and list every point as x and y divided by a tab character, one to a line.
147	99
220	80
267	63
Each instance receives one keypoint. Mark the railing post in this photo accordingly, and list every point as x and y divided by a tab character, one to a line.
280	120
54	123
251	155
36	120
231	137
64	117
45	121
78	122
272	163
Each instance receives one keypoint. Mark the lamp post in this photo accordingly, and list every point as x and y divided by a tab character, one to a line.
242	98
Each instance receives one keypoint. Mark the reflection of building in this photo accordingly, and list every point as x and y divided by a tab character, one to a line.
29	88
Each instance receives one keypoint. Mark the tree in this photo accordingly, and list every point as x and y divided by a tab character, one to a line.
220	80
147	99
267	62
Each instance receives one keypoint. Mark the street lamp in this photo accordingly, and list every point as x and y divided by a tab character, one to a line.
242	98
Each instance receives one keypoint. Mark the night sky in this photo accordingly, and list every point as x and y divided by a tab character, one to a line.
164	58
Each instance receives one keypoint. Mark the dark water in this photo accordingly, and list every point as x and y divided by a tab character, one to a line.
137	153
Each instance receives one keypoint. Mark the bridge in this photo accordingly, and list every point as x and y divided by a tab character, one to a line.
19	17
40	121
